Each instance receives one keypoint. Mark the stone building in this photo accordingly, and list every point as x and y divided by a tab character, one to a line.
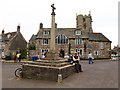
12	42
0	46
81	39
116	51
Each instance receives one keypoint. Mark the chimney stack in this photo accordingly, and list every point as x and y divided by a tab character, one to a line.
55	25
18	28
3	31
41	25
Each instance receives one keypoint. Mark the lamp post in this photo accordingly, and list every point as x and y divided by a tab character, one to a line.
69	48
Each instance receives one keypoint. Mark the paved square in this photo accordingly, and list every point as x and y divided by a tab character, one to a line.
101	74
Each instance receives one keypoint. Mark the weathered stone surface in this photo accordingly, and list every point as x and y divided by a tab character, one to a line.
46	72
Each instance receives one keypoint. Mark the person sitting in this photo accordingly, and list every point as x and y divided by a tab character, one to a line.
76	60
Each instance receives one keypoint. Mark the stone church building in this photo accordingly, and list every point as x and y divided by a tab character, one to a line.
81	39
12	42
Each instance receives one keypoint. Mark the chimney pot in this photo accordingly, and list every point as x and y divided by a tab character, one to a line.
41	25
55	25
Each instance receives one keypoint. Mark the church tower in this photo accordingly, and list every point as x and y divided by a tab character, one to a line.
84	22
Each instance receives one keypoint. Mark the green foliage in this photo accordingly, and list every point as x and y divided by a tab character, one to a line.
31	47
23	53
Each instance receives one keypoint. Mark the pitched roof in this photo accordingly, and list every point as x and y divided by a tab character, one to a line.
69	32
33	37
5	36
17	42
98	37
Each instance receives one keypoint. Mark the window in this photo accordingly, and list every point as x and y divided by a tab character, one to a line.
101	46
45	41
8	36
78	41
3	44
44	51
79	52
83	19
61	39
78	32
46	33
96	52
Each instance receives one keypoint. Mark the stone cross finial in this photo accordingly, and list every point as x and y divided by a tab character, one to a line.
53	8
89	12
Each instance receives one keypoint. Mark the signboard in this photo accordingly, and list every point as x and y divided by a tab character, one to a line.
90	47
71	51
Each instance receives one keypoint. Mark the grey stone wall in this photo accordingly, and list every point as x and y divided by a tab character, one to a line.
46	73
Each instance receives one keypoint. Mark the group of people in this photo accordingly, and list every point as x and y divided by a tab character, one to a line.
76	60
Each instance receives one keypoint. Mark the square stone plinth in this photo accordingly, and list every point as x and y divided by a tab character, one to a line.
46	72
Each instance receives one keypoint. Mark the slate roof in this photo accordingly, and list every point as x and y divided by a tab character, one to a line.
98	37
69	32
17	42
5	38
116	49
33	37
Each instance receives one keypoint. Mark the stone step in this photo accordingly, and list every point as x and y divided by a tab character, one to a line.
50	64
49	61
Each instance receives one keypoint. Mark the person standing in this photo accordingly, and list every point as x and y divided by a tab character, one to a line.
18	55
76	60
90	58
62	53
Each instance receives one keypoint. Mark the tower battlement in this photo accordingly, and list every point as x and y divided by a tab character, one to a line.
84	22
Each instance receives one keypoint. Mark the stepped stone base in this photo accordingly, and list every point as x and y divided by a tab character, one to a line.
46	72
49	68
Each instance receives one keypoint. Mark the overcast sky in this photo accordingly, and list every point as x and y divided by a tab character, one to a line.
29	13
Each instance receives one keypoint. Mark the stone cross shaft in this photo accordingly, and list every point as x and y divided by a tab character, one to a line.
52	32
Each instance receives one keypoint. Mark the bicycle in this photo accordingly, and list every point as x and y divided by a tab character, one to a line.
18	72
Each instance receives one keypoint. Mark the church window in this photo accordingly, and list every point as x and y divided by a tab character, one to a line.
45	41
61	39
78	41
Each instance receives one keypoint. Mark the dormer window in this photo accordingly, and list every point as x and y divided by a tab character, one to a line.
78	32
46	32
8	36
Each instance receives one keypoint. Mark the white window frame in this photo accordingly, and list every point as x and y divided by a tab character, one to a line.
43	51
78	41
9	35
77	32
96	53
101	45
46	32
62	39
79	51
3	44
44	43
